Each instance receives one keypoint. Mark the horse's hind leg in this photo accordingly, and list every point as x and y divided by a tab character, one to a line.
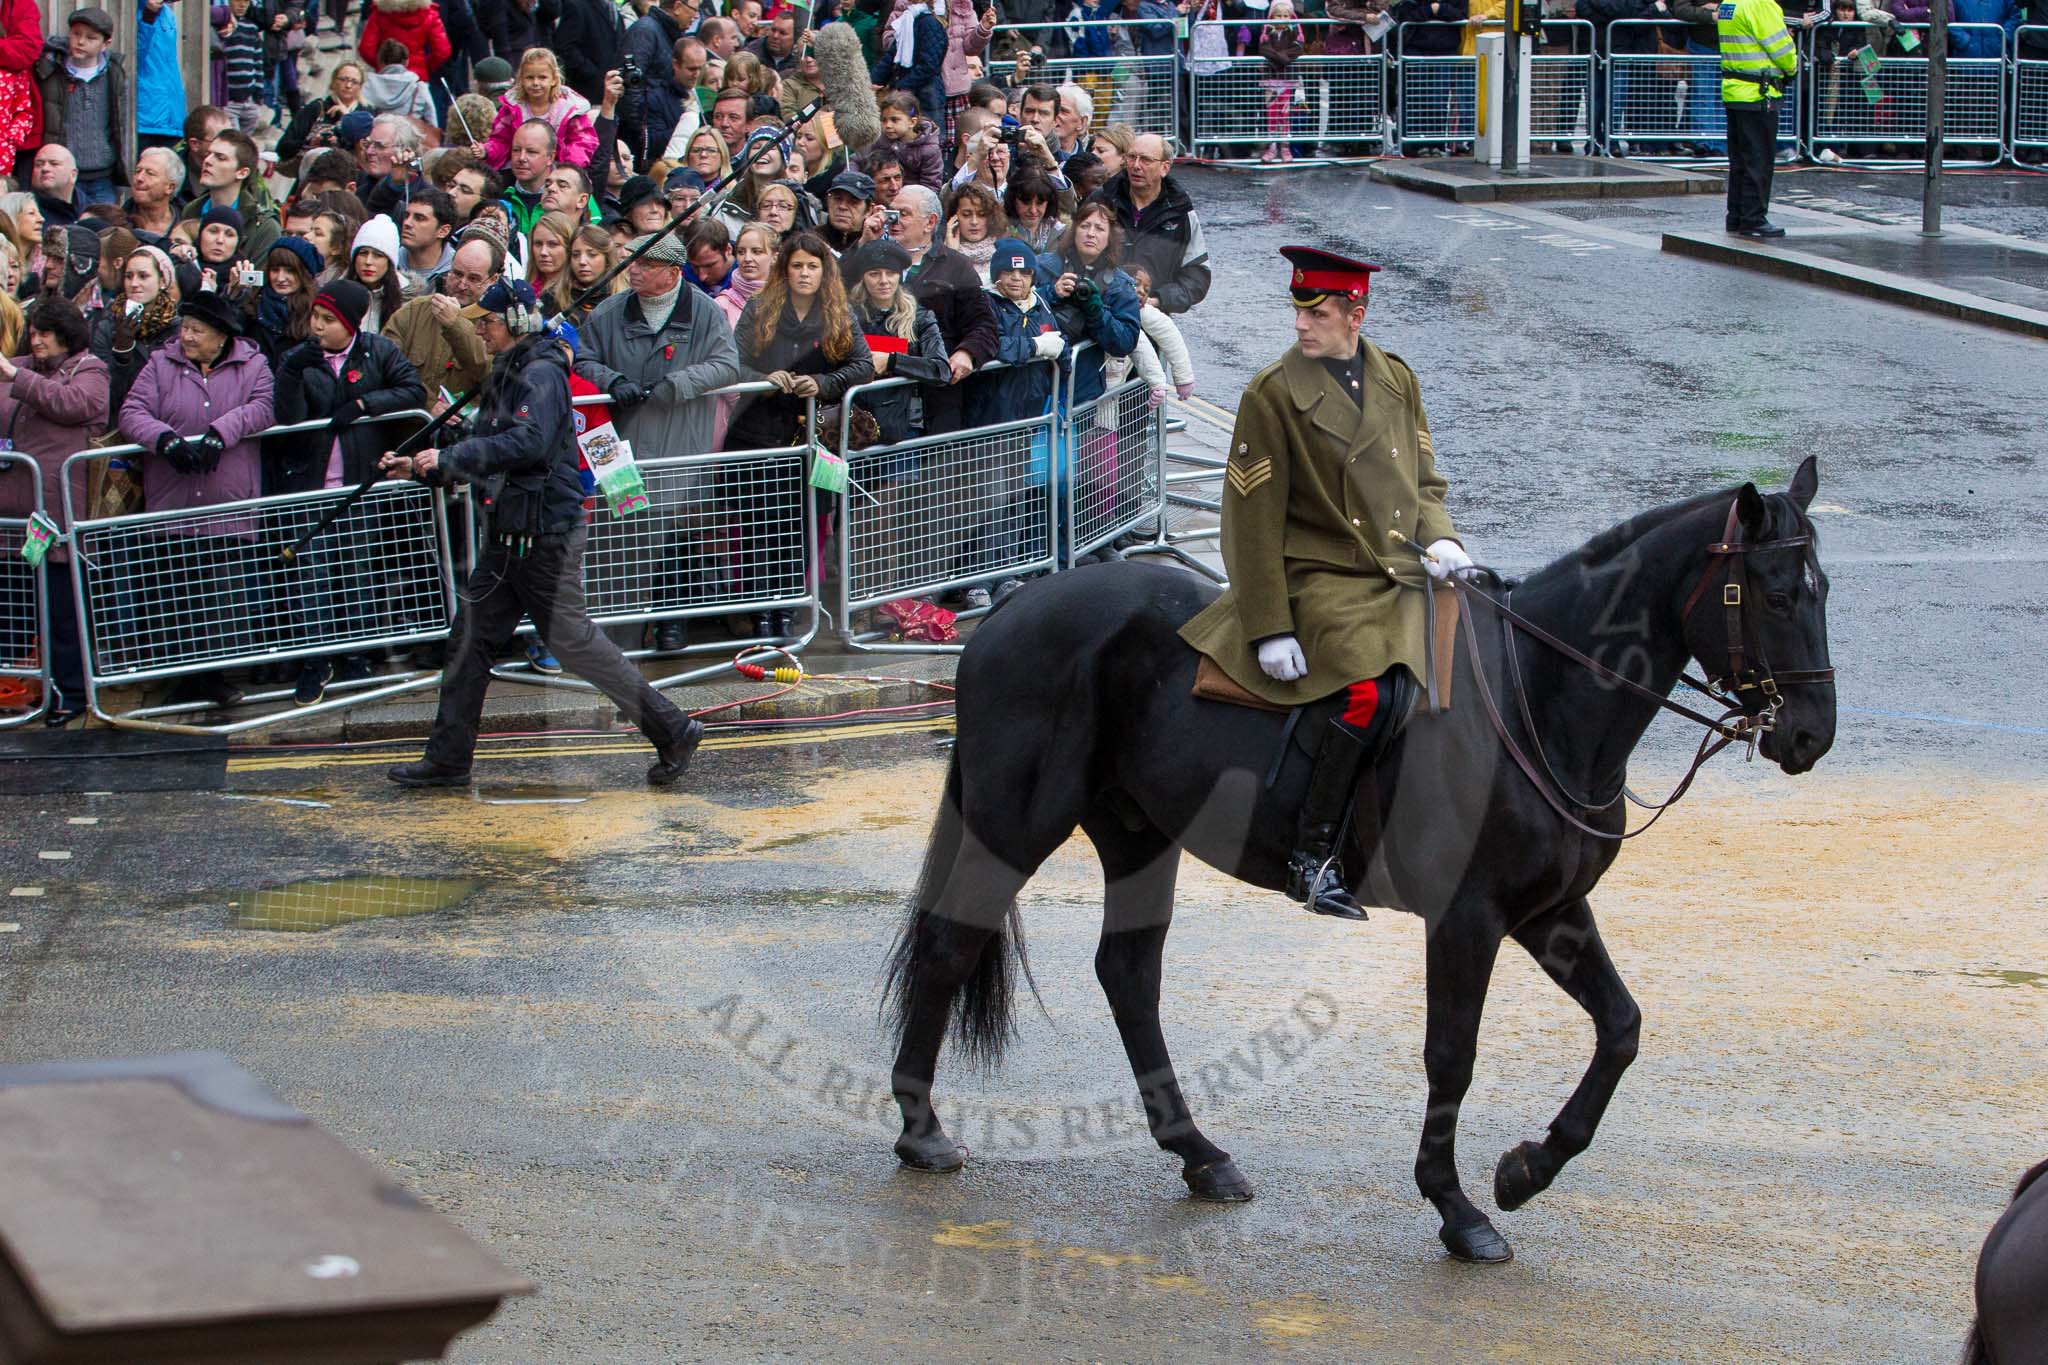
1139	868
950	943
1566	943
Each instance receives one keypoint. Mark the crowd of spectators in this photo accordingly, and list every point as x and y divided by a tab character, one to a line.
295	254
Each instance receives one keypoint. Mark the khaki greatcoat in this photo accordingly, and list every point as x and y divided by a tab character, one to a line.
1312	490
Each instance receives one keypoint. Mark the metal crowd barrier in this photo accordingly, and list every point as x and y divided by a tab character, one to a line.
1237	102
2030	88
1974	107
170	594
1662	103
1562	84
24	603
934	513
1112	455
1140	89
725	534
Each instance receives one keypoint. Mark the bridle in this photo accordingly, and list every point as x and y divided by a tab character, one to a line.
1742	720
1741	675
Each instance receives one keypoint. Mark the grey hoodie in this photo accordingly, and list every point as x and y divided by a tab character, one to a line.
395	90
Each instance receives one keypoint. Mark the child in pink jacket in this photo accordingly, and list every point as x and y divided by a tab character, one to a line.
539	93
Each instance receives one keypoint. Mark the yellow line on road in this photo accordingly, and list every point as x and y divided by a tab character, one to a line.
582	745
1211	413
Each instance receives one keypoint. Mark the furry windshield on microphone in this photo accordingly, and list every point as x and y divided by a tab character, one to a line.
849	94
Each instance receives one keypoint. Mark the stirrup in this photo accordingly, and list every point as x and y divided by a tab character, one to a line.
1328	895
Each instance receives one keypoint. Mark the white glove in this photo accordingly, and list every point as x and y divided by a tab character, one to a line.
1281	659
1048	345
1450	558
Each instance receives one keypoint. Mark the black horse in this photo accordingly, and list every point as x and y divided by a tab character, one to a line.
2012	1281
1075	709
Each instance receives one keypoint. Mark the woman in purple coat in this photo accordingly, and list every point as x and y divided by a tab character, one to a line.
196	409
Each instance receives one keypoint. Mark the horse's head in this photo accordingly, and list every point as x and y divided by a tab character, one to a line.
1758	622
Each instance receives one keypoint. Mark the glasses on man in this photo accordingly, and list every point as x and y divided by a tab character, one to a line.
1144	160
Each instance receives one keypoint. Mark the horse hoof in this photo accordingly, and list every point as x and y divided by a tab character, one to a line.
1476	1243
936	1154
1514	1178
1218	1182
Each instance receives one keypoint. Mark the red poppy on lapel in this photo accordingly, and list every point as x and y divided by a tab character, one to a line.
355	376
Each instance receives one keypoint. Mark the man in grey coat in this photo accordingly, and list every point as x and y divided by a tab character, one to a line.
658	350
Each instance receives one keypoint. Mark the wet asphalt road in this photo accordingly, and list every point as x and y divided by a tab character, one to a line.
638	1055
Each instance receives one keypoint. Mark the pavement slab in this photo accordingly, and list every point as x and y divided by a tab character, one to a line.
1467	180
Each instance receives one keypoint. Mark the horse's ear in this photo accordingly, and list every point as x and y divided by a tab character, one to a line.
1749	505
1805	482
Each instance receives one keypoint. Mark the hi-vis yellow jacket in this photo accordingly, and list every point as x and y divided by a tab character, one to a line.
1756	52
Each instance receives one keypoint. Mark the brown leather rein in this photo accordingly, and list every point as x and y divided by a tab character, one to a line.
1738	723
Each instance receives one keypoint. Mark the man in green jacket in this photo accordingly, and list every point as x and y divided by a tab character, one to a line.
1330	459
1757	59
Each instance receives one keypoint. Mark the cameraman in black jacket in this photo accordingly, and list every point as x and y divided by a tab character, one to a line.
523	457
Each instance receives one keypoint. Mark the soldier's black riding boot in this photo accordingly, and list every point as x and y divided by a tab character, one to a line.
1315	873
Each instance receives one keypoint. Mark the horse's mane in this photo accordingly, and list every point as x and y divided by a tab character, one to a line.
1624	535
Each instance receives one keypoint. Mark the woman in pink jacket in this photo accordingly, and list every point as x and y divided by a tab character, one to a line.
539	93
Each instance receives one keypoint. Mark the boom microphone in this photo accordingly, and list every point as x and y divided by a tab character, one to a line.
849	94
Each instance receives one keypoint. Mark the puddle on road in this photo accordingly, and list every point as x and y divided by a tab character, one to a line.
303	907
2004	979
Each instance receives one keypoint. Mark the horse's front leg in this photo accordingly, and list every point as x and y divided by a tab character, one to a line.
1566	943
1462	947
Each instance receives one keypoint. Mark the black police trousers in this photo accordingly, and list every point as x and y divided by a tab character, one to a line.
546	583
1752	156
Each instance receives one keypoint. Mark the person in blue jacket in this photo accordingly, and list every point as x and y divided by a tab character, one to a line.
1028	337
160	105
1966	41
914	58
1092	300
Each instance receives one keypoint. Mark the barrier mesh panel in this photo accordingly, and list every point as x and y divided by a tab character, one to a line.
1141	91
208	587
1321	100
723	535
2030	102
1113	468
951	509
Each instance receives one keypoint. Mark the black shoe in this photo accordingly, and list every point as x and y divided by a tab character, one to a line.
670	637
60	715
208	687
785	624
1320	885
312	682
764	625
673	760
1315	873
420	773
1765	231
352	668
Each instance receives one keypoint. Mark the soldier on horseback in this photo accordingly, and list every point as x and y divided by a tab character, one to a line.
1331	459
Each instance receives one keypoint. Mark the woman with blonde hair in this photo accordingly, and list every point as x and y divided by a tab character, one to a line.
706	154
538	93
10	266
547	254
13	322
591	253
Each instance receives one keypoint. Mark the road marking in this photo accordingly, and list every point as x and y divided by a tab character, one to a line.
1571	228
83	820
26	891
55	855
580	746
10	928
1569	242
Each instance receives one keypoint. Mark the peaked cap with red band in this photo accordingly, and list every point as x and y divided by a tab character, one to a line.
1320	274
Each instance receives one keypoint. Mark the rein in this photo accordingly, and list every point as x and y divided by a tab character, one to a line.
1737	723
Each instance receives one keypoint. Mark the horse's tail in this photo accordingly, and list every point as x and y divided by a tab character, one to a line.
982	1010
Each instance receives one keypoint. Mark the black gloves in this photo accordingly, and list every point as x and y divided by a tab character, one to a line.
348	414
205	452
626	393
173	450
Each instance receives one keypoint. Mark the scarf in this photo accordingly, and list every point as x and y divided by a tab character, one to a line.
904	31
657	309
274	313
